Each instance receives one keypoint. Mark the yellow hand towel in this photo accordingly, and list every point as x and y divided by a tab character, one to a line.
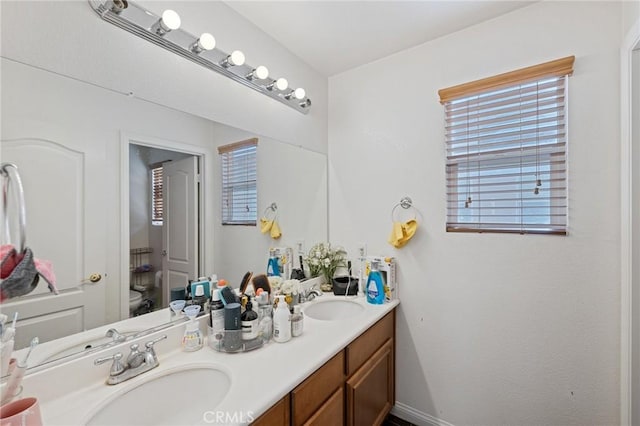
402	233
275	231
265	225
396	233
397	230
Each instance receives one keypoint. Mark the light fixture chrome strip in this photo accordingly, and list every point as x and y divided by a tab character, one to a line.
139	21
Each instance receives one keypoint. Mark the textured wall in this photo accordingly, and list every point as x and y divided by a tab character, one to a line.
492	329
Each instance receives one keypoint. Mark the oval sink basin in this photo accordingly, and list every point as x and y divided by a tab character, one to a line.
176	397
333	310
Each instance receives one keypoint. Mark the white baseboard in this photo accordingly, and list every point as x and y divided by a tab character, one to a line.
416	417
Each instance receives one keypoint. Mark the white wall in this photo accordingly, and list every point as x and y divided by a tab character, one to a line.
69	38
630	14
635	215
139	194
492	329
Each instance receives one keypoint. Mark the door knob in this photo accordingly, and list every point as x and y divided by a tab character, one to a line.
164	252
94	278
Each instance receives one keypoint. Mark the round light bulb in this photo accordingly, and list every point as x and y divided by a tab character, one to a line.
207	41
282	83
171	19
299	93
237	57
261	72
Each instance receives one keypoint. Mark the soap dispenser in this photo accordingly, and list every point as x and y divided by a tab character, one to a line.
273	269
375	285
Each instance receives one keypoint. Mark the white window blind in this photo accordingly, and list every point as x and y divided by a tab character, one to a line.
506	156
156	196
239	182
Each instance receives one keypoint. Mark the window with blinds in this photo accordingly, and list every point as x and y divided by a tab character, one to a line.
506	144
239	182
156	196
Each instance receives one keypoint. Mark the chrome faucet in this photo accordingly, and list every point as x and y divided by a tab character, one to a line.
136	363
309	295
117	337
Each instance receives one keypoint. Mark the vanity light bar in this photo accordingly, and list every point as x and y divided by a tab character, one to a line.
139	21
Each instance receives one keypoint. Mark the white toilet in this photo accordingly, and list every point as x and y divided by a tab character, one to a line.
135	299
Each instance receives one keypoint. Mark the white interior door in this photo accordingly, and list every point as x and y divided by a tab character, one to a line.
63	183
180	227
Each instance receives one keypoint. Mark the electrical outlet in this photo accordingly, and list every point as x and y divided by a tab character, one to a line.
362	250
300	246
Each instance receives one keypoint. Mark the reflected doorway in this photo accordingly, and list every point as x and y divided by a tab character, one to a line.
164	223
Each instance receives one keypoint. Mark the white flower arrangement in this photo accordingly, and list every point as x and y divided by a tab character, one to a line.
286	287
324	259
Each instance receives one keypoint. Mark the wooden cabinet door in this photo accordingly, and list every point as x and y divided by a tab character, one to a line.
331	413
278	415
309	396
370	391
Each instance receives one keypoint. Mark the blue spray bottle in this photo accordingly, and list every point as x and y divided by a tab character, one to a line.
273	269
375	285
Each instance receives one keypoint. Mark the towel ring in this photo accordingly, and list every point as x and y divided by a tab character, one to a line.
274	208
406	203
7	170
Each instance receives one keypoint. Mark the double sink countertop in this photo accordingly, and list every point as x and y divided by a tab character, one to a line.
72	392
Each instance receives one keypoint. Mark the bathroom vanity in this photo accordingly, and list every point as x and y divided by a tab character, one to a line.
356	385
339	371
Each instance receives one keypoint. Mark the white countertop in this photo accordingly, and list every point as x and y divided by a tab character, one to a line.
70	393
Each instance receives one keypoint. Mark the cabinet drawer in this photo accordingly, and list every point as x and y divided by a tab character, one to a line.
317	388
369	342
331	412
278	415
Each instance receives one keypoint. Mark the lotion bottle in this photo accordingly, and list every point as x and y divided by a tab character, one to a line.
282	322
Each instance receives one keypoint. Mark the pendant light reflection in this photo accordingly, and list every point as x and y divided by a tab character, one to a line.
170	20
205	42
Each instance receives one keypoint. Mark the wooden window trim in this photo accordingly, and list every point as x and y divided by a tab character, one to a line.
236	145
555	68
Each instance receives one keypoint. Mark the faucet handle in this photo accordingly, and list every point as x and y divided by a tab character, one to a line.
116	367
151	357
149	344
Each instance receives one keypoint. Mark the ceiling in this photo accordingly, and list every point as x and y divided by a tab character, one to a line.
335	36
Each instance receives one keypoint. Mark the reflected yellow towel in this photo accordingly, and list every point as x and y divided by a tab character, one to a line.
402	233
265	225
275	231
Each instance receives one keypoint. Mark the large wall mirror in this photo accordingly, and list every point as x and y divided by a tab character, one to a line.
86	155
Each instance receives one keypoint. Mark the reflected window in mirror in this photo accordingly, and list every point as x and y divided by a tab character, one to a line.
156	195
239	182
